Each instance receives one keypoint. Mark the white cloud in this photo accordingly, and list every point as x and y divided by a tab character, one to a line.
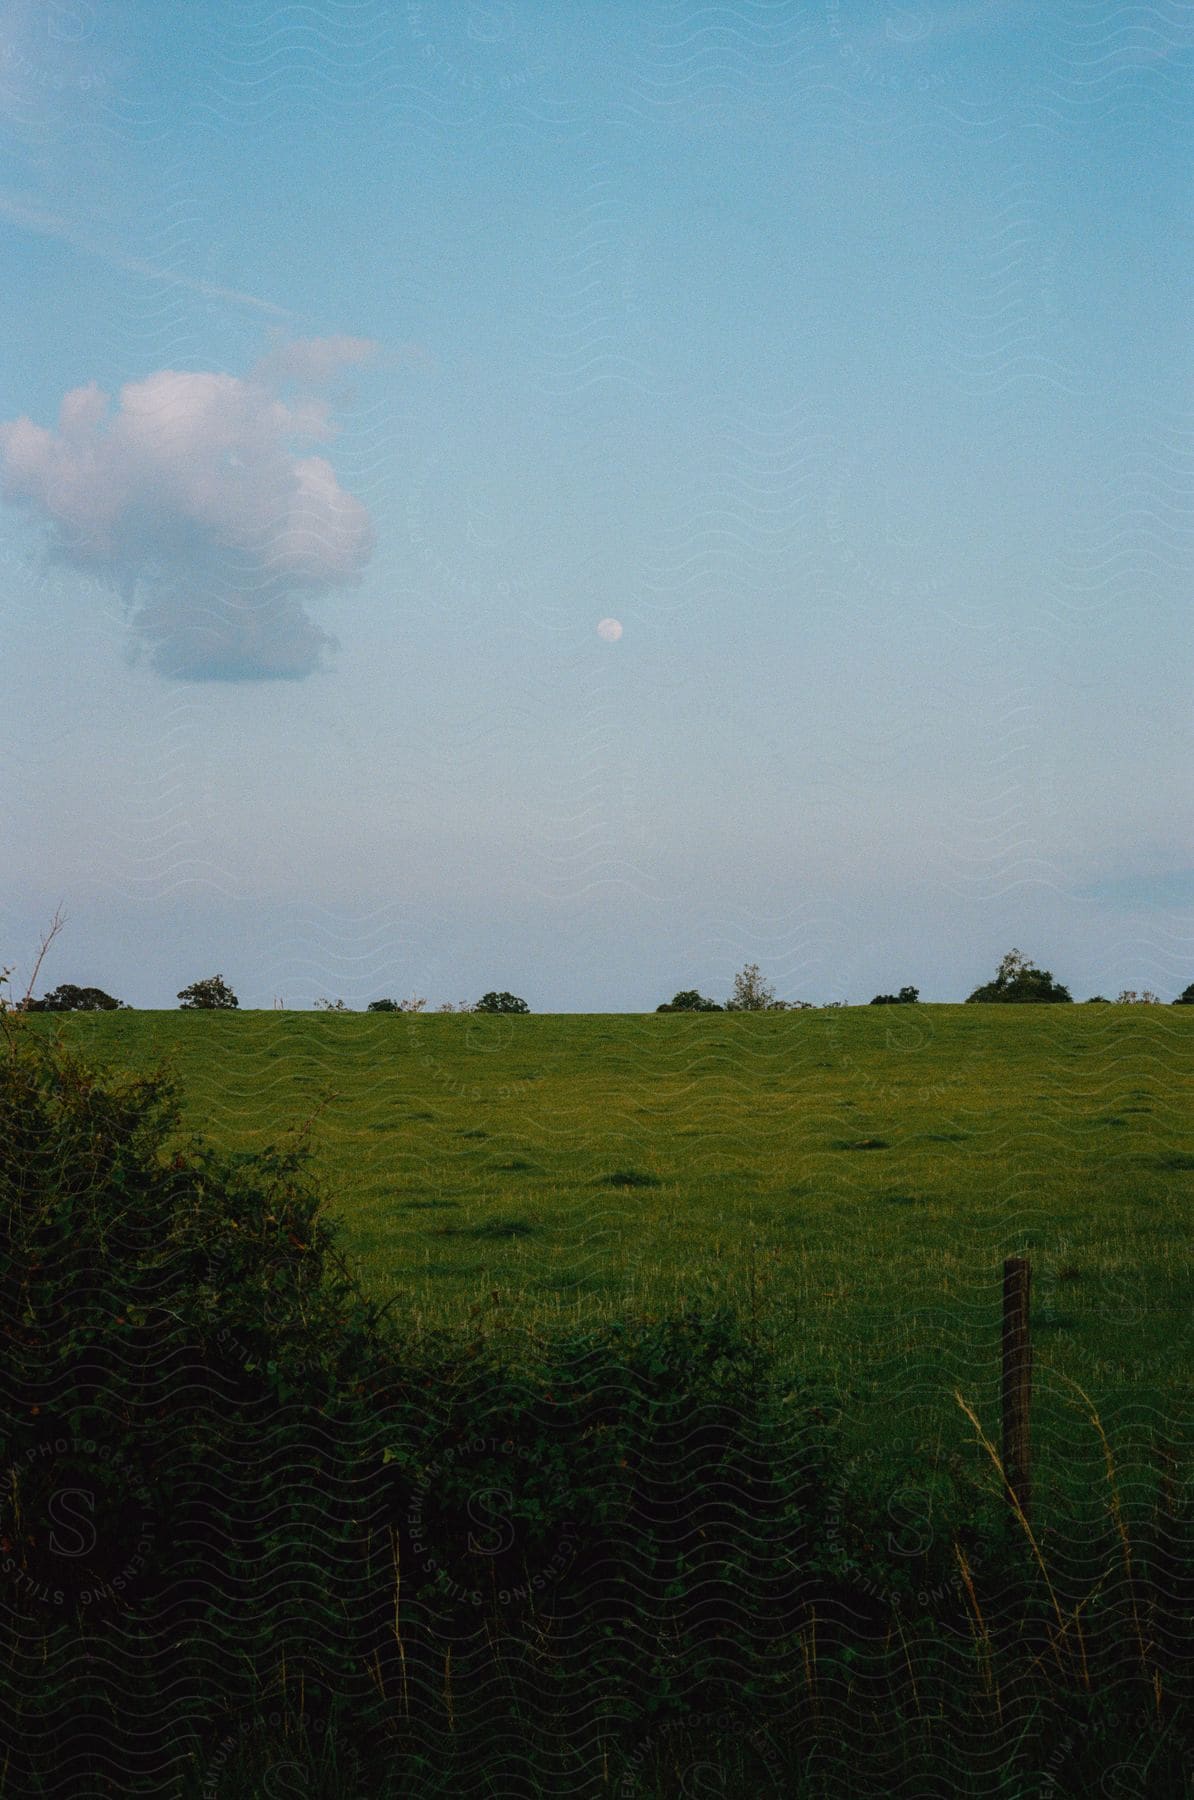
191	497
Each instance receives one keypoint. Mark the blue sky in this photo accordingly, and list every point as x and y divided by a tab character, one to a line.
839	352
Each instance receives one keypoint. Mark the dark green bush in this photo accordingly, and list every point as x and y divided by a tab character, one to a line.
1020	982
69	998
212	993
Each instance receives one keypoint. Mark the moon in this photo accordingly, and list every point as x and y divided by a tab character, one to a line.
609	630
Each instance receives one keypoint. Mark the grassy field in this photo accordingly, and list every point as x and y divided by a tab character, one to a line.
851	1178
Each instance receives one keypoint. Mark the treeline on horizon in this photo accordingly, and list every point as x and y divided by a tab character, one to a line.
1017	981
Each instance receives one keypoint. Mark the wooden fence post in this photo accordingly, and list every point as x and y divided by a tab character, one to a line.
1017	1379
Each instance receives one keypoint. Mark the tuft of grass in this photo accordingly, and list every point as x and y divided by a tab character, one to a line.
493	1230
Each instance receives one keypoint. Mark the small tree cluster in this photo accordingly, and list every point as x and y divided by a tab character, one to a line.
751	993
69	998
501	1003
1019	981
907	996
208	995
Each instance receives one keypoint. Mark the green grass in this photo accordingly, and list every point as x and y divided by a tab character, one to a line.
852	1179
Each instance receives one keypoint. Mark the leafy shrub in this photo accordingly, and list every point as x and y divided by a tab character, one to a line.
208	994
1018	981
167	1318
688	1001
751	993
69	998
907	996
501	1003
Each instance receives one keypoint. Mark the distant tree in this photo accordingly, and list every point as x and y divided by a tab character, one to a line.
209	994
751	993
688	1000
69	998
1129	997
501	1003
1097	1000
1019	981
907	996
1186	997
382	1006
